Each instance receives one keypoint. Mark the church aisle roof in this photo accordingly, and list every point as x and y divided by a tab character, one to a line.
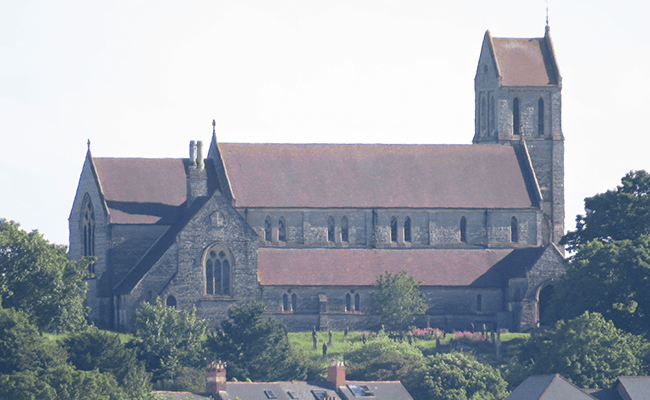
432	267
374	175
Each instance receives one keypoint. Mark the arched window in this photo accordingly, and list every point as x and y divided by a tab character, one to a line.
345	235
483	116
515	116
267	229
88	229
294	302
282	230
479	303
285	303
171	301
540	117
357	302
492	114
330	229
348	303
407	229
463	230
393	229
514	230
218	263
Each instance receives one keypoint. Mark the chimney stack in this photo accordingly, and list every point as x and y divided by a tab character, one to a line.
336	374
192	153
199	155
197	178
215	378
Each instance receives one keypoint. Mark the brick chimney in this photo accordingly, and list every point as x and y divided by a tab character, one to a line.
215	375
336	373
197	180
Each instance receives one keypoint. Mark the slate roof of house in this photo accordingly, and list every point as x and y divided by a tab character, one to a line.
526	62
385	390
637	387
432	267
374	175
548	387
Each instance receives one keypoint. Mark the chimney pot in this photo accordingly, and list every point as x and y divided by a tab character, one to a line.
192	153
199	155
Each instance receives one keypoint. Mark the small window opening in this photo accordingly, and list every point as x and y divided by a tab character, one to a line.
479	303
294	302
514	230
515	116
88	228
407	229
393	229
492	114
348	302
270	394
330	229
171	301
267	229
540	117
282	230
483	115
463	230
345	236
357	302
285	302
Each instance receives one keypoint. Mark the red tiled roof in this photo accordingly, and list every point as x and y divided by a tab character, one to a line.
525	62
361	267
142	190
413	176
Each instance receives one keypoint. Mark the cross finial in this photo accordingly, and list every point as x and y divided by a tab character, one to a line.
546	12
88	144
214	126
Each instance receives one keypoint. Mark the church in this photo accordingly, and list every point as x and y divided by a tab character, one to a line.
308	228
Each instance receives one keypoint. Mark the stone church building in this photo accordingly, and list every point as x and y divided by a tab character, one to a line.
308	228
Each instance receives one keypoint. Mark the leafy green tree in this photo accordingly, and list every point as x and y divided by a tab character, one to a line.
588	351
103	351
382	359
167	340
61	383
396	300
455	376
623	213
257	349
22	348
37	277
608	278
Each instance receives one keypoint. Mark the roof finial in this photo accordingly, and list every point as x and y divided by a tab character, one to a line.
88	144
214	127
546	13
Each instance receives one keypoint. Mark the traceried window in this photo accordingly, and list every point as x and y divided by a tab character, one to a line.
88	229
267	229
218	269
393	229
514	230
463	230
515	116
540	117
282	230
407	229
289	302
345	233
330	229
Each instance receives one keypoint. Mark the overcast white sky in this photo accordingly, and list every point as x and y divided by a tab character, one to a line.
143	78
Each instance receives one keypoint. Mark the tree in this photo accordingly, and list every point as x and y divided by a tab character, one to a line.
103	351
455	376
382	359
623	213
21	346
256	349
588	351
608	278
168	340
38	278
396	299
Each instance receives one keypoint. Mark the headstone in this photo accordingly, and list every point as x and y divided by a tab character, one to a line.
324	349
314	340
363	337
345	332
330	336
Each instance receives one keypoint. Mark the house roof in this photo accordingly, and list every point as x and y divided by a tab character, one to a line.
374	175
361	267
548	387
636	387
385	390
526	62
